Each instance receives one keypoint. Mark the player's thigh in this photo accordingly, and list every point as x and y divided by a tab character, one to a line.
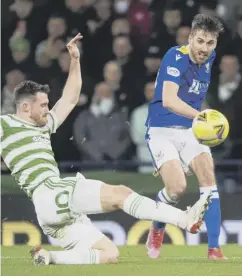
166	159
160	147
194	151
203	166
86	198
92	197
174	178
52	204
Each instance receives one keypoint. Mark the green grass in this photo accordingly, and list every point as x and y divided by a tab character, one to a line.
175	260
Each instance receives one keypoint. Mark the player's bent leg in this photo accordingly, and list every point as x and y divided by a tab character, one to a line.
111	198
175	185
122	197
109	252
104	251
174	180
83	244
167	163
203	166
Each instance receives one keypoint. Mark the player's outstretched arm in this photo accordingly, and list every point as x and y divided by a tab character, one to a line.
72	89
172	102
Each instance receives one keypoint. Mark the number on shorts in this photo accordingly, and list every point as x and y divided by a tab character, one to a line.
62	203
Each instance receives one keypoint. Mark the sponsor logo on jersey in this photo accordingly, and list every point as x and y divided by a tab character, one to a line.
173	71
197	87
41	139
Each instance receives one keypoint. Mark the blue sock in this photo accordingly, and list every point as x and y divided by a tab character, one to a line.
213	217
162	196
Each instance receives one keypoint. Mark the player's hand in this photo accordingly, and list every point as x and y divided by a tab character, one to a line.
72	46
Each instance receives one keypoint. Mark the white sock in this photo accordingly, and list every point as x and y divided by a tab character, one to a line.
74	256
165	198
207	189
145	208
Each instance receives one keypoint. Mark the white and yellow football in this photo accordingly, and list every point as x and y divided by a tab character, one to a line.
210	127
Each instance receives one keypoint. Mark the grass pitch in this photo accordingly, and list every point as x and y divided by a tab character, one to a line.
175	260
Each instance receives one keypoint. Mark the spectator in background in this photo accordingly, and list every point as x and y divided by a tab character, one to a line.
112	75
165	31
122	50
13	78
77	13
21	56
99	37
172	19
152	62
225	94
49	49
131	65
182	35
101	132
138	129
33	18
120	26
121	7
236	43
140	20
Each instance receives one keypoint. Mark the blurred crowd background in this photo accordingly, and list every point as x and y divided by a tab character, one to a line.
123	45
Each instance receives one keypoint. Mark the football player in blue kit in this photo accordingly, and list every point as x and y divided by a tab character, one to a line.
180	89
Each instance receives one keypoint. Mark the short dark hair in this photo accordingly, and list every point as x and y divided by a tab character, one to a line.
28	89
207	24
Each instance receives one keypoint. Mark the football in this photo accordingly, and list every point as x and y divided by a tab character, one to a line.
210	127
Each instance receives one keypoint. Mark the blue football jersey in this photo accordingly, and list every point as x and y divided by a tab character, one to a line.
193	81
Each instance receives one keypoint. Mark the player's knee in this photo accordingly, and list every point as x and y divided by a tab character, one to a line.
112	255
121	192
115	254
175	192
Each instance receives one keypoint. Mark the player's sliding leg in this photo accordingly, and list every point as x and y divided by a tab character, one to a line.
203	167
88	198
104	251
175	185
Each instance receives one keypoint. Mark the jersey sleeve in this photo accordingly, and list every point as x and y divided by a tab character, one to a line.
52	122
174	64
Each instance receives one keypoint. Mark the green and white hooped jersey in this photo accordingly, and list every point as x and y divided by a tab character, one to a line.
27	152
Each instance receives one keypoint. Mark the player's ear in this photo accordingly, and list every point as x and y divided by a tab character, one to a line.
190	38
25	106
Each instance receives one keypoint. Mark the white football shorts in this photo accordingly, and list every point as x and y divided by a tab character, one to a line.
53	201
167	144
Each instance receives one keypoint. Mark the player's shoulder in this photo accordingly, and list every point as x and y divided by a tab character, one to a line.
178	53
179	49
5	118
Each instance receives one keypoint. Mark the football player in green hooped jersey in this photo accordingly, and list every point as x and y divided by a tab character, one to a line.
61	205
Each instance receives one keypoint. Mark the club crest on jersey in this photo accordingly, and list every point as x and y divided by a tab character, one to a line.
197	87
207	65
173	71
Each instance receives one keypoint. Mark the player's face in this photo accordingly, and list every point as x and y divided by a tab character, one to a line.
39	109
201	45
